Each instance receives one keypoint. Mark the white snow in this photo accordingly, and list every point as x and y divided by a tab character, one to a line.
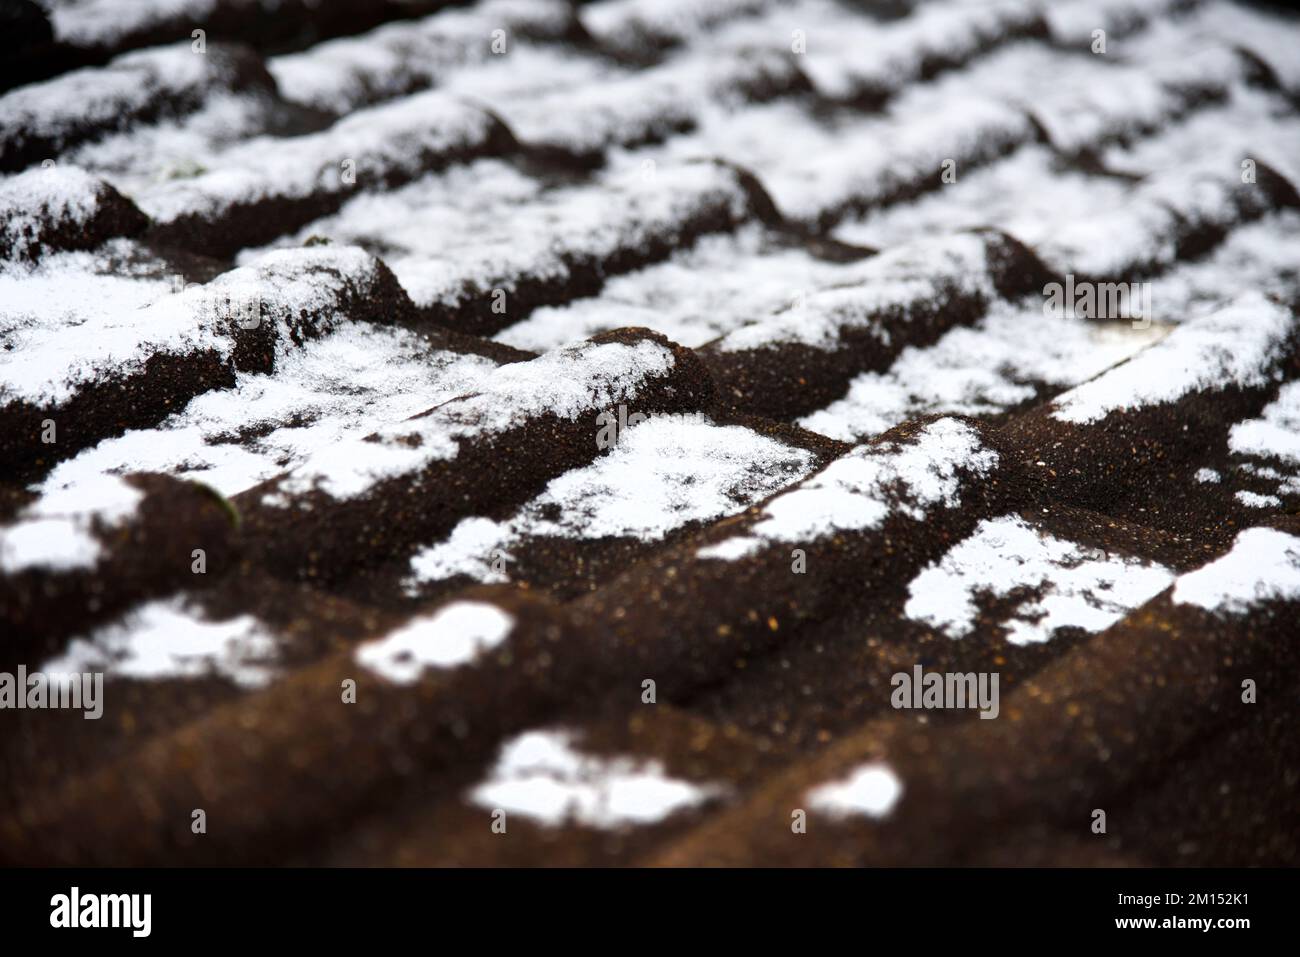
1147	77
477	547
454	635
566	383
1263	256
394	139
1024	194
1250	124
77	319
67	298
871	790
137	159
628	108
541	776
1138	237
1194	49
867	162
1261	31
1204	476
1075	586
861	489
968	116
106	22
55	532
994	365
1114	98
498	227
931	271
731	549
1139	234
846	53
1101	225
1073	21
628	22
347	384
1263	565
1275	433
99	97
64	195
530	73
169	639
339	75
721	283
812	166
1238	345
296	287
662	474
1255	500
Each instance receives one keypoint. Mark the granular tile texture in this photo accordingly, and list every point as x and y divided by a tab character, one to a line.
649	433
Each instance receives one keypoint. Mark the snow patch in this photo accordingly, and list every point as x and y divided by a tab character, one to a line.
1238	345
104	23
395	59
55	532
455	635
994	365
566	383
662	474
934	270
56	346
539	775
62	195
1076	586
717	285
861	489
498	227
1255	500
731	549
389	141
349	383
1263	565
1276	433
871	790
168	639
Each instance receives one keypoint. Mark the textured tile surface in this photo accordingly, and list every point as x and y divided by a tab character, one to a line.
546	433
